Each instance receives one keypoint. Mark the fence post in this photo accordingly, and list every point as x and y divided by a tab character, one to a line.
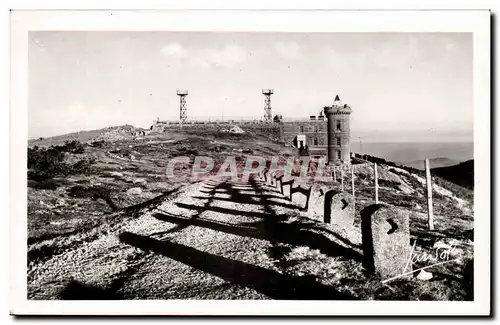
352	180
342	178
429	194
376	183
334	175
352	185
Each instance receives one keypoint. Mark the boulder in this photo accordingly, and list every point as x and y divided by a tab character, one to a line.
60	203
134	191
139	181
424	275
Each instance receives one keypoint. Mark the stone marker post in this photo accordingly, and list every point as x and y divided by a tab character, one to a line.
339	209
317	201
353	190
386	241
429	194
342	178
352	181
273	178
281	183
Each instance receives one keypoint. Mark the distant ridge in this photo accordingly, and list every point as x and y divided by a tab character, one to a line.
435	163
82	136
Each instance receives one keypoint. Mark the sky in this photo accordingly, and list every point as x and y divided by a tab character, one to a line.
404	86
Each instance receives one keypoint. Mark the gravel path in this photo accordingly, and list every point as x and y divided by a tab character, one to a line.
211	240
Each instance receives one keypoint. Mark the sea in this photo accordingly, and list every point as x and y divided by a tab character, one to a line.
411	152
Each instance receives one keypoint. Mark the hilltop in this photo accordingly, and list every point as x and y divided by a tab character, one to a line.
112	133
105	222
461	174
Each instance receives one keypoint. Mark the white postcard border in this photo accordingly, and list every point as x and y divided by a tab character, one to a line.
477	22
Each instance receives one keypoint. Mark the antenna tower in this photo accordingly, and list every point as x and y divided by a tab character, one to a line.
183	110
268	115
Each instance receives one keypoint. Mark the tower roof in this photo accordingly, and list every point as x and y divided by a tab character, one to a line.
337	102
337	107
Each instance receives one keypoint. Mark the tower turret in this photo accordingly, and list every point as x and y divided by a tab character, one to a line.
339	132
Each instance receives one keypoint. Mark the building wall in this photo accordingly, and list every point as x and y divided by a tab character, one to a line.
344	136
311	129
319	130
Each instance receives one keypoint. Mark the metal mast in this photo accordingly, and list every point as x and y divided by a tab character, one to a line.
183	110
268	115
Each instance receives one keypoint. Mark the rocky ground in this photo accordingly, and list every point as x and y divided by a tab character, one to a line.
147	237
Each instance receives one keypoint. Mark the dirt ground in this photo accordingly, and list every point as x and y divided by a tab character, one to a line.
151	238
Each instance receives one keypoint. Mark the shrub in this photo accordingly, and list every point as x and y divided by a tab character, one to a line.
73	147
81	166
88	192
98	143
46	184
46	163
383	182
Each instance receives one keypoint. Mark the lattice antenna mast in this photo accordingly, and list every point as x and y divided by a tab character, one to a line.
268	115
183	110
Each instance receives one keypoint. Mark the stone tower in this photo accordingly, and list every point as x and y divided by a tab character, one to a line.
339	132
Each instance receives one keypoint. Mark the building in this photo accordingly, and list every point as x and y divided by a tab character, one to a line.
313	133
310	133
339	132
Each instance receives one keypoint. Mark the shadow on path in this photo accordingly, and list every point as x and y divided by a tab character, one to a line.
75	290
253	199
270	283
135	210
275	232
251	214
200	210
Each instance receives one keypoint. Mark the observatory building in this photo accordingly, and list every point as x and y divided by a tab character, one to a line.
328	133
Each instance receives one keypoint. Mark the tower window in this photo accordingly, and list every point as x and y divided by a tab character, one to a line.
315	141
338	141
301	129
339	155
338	125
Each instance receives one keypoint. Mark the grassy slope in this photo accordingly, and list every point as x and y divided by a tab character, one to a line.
435	163
461	174
55	226
64	207
82	136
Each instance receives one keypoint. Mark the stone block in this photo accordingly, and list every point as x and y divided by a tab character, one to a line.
304	198
286	186
339	209
386	241
267	175
317	202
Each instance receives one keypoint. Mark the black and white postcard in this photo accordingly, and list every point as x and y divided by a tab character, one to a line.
250	162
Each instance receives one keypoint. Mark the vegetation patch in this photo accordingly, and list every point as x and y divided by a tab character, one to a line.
47	163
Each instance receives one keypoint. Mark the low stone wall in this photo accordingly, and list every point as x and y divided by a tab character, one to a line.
384	230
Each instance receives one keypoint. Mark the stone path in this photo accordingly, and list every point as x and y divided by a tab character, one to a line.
212	240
